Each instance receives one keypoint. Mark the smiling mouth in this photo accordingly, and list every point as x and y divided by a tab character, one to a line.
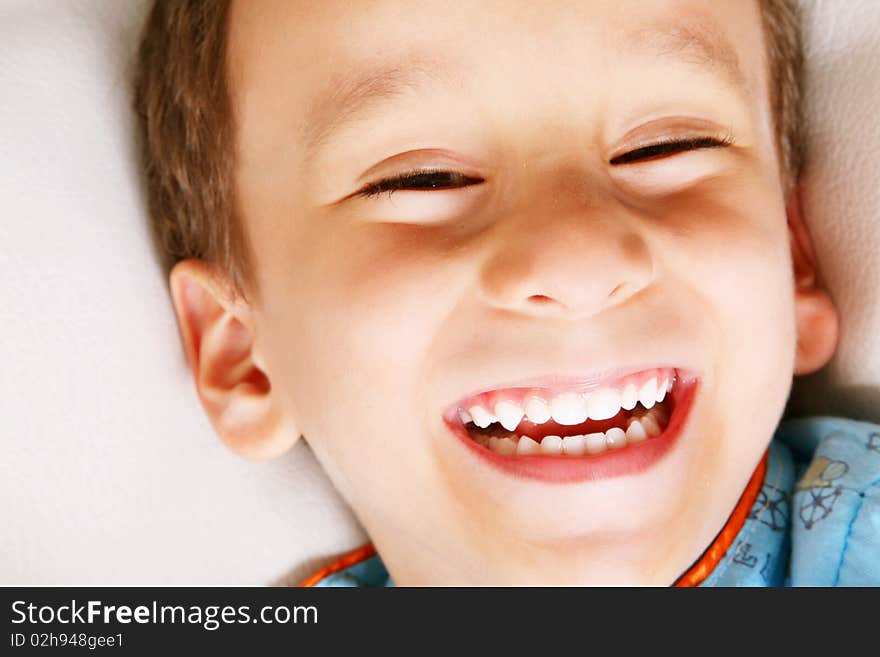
571	422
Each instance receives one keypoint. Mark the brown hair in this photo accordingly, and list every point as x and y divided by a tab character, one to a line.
182	103
785	57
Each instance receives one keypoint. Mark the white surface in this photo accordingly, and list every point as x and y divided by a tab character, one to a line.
110	473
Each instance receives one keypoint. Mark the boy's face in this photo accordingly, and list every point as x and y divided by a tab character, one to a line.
547	257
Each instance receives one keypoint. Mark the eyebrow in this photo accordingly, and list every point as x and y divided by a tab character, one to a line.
701	43
353	95
356	94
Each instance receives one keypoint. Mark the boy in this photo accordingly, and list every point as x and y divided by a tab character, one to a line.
531	279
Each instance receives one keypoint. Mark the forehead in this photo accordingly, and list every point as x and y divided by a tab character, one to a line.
322	67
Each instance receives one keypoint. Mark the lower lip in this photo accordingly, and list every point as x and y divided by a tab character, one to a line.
630	460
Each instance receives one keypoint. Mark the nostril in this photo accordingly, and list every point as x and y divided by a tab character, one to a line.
546	305
617	290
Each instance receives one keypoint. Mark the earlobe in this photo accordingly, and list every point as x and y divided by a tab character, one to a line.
219	338
815	314
816	319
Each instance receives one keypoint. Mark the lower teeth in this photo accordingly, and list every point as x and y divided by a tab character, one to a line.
644	427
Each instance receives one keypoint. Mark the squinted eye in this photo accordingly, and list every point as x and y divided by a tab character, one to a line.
438	179
670	147
424	180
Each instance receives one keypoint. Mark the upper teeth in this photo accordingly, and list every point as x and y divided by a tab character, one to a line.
648	393
570	408
604	403
509	414
537	410
629	397
482	418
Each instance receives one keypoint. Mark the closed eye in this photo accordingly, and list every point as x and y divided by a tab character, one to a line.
438	179
670	147
420	180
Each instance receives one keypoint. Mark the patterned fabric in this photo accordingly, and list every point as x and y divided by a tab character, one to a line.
836	503
815	522
759	554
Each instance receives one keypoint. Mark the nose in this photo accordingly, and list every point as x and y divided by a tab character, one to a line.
570	260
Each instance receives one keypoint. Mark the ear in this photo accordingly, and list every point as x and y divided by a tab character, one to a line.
815	313
219	338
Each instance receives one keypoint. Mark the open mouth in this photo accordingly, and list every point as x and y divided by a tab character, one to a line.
576	422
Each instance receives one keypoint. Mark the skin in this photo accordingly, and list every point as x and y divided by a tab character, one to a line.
373	315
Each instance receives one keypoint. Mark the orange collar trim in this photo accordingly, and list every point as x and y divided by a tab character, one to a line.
348	559
719	547
693	577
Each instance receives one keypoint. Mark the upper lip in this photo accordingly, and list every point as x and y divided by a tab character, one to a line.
583	382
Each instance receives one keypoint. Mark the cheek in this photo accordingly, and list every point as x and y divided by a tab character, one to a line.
349	324
737	264
385	294
737	261
730	255
356	315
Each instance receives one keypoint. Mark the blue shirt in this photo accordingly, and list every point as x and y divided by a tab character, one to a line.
815	522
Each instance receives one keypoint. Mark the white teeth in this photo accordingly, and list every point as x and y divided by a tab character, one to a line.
503	446
603	404
650	425
595	443
648	418
661	390
482	417
508	414
648	392
615	438
527	447
629	397
635	433
537	410
574	445
551	445
569	408
639	429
